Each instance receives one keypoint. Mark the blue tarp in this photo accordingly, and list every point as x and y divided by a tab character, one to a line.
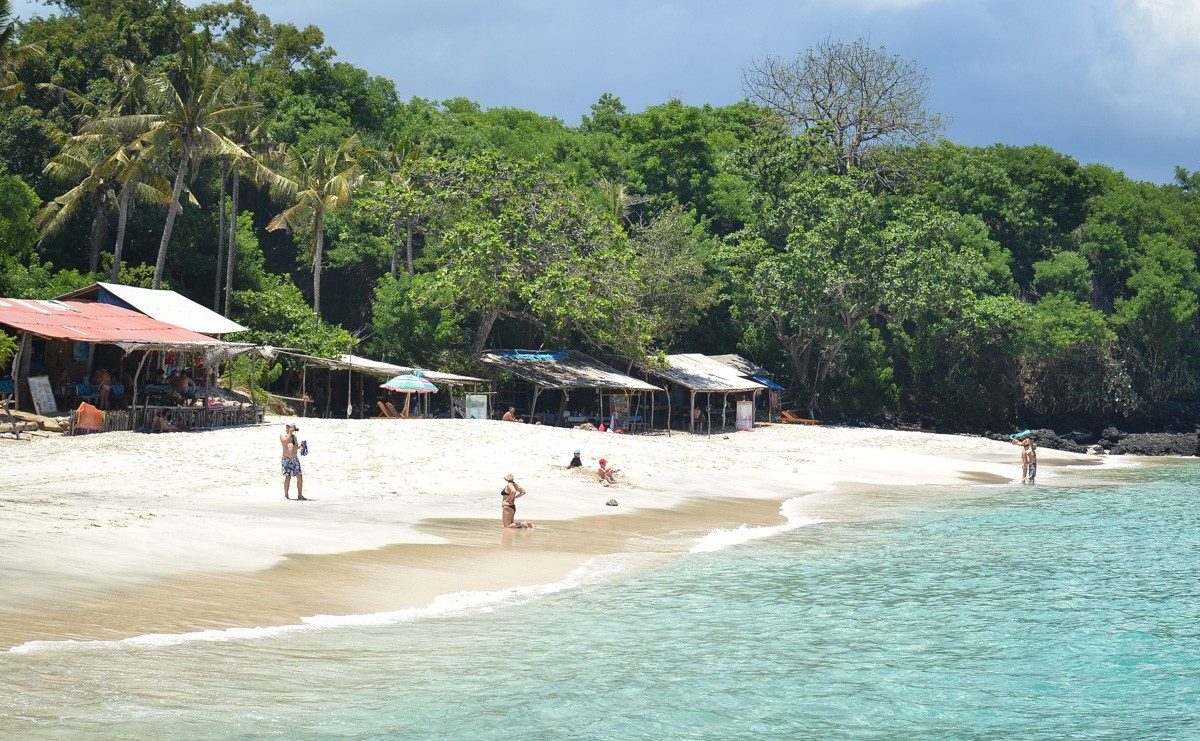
767	382
530	355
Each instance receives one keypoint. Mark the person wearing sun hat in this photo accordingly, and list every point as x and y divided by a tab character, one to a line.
576	461
508	504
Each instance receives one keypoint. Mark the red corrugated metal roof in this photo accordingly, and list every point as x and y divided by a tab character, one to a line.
91	322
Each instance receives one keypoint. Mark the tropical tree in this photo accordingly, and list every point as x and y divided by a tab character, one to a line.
84	160
318	183
194	101
12	56
245	128
518	243
102	162
856	96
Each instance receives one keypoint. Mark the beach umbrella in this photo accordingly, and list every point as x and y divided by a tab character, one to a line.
410	383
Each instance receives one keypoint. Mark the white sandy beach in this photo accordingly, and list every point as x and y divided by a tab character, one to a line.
178	517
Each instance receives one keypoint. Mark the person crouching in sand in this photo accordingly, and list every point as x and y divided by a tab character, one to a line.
607	473
508	504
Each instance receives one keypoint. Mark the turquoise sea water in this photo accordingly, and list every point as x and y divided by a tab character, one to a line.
1020	612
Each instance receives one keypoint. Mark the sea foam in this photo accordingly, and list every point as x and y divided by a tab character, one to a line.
593	570
792	511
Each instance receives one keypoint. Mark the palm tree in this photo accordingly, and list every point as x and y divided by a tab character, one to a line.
84	160
194	101
101	162
318	183
11	56
246	130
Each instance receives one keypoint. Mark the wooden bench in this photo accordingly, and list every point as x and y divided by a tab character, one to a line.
791	418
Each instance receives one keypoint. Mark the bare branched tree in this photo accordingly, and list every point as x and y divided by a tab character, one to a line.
852	94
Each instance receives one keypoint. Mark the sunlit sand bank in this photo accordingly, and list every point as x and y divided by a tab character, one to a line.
125	534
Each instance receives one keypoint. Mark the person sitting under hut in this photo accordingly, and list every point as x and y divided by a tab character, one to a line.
185	387
606	472
511	415
162	423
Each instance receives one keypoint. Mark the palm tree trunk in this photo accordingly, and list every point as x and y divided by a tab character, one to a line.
318	260
395	250
408	247
161	262
232	242
218	274
122	218
99	229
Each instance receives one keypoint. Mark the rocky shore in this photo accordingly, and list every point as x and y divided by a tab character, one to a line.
1113	441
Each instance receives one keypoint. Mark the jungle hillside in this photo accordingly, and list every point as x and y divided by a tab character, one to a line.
823	227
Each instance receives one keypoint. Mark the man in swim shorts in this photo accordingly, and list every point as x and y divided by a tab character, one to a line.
291	462
1030	455
1028	459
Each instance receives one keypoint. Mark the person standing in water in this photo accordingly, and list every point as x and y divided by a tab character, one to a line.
291	462
1028	459
508	504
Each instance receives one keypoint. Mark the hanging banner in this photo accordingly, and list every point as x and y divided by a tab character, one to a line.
477	406
745	415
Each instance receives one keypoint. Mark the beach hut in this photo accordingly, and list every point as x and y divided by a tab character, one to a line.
60	340
699	374
163	305
369	368
740	366
565	371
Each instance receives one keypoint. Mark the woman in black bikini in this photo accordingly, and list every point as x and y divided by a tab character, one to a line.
508	504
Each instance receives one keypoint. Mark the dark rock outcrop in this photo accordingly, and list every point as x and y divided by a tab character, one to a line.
1155	443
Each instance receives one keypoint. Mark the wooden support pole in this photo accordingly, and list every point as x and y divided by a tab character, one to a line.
668	409
137	375
328	391
533	404
724	404
16	370
253	379
692	413
304	390
562	407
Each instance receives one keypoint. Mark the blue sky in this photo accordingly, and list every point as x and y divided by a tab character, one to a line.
1112	81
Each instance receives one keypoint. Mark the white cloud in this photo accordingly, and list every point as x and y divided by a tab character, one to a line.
1147	59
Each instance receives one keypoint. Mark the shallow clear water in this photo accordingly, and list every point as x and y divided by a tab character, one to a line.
1020	613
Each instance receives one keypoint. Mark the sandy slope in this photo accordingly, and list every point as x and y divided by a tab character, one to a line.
86	515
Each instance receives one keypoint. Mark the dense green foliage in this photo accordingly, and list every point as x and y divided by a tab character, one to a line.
893	276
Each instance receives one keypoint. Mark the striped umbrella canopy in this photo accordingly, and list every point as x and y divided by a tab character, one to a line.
410	383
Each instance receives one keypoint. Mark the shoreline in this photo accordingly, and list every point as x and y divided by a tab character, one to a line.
448	548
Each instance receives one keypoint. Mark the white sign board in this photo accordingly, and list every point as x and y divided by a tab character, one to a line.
477	406
745	415
43	396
